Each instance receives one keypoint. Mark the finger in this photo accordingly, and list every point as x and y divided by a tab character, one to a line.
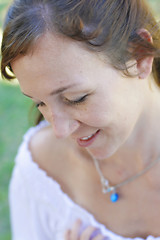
88	232
67	235
74	234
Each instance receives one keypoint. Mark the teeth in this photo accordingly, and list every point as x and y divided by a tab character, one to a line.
86	138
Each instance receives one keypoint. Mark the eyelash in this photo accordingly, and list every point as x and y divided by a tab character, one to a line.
69	102
39	104
76	102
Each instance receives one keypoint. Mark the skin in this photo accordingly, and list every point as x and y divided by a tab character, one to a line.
105	108
126	110
73	234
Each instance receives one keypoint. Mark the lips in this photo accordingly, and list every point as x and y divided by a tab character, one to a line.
87	140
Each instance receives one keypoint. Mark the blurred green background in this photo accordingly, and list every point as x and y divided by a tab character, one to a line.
14	121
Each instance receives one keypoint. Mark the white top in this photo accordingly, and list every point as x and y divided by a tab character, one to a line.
39	209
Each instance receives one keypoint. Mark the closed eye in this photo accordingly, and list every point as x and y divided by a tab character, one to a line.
69	102
76	102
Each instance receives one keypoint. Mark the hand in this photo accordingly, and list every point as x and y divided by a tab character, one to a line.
90	233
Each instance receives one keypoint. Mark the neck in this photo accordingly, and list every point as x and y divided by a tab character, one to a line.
144	141
142	147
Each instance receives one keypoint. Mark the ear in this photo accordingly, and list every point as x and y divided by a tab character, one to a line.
144	66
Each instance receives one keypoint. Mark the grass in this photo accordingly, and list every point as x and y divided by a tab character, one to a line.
3	5
14	122
155	4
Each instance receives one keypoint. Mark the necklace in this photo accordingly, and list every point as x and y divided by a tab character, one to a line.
107	188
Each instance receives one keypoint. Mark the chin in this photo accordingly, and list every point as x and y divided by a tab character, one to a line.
101	153
108	147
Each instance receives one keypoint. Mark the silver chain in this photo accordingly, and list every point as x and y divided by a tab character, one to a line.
105	183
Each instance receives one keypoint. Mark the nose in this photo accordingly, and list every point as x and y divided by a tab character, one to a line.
63	126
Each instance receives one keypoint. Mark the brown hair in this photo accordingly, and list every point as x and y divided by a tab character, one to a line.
105	26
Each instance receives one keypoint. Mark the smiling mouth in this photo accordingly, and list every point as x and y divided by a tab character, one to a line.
88	140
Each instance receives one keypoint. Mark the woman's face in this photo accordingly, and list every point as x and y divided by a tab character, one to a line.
80	95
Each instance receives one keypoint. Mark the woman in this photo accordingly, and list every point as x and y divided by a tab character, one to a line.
92	69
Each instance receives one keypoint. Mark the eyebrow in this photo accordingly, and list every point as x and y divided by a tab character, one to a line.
54	92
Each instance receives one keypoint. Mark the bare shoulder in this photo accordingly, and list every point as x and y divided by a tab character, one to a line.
46	148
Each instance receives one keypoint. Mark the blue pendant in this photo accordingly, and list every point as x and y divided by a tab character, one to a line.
114	197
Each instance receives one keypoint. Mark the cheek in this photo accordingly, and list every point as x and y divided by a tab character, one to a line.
106	113
96	115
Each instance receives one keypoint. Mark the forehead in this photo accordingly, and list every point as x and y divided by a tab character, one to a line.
54	55
57	62
57	50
